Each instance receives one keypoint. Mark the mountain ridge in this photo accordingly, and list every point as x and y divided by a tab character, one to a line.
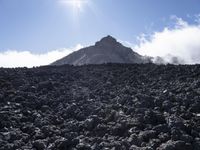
107	50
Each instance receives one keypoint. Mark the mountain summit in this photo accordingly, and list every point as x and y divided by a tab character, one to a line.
107	50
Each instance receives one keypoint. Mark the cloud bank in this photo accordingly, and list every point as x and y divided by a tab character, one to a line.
179	44
14	58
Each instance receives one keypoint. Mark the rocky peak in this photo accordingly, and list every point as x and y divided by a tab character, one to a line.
106	50
107	41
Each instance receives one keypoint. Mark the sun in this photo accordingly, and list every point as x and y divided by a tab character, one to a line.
76	4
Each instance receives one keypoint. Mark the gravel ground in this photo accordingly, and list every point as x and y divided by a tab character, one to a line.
100	107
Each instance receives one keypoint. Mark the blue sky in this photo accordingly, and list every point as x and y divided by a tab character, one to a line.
43	25
40	26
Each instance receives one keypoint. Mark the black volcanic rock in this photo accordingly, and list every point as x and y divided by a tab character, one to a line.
99	107
107	50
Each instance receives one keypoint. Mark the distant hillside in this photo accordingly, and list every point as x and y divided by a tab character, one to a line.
107	50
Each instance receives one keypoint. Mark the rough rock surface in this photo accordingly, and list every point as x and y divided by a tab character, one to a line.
107	50
100	107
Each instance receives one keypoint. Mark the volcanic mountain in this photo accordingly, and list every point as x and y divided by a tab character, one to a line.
107	50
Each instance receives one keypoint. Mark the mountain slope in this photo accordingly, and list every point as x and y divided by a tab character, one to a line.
107	50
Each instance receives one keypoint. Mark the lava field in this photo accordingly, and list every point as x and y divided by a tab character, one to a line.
100	107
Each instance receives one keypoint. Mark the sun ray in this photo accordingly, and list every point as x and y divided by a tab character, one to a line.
77	5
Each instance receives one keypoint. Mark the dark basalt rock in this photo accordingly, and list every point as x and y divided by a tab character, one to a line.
39	145
100	107
175	145
145	136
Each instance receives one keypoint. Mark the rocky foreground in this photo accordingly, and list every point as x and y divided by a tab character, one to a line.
100	107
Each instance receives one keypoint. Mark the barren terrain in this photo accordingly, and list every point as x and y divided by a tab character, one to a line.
100	107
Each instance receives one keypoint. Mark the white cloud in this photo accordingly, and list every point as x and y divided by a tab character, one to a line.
181	41
197	18
179	22
178	44
14	58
